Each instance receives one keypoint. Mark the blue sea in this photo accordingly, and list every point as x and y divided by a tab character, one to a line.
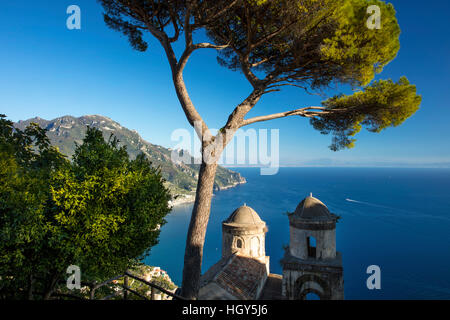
396	218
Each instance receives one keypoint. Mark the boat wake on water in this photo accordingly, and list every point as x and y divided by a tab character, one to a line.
369	204
400	212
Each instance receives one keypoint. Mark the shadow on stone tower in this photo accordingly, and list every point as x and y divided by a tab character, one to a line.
311	264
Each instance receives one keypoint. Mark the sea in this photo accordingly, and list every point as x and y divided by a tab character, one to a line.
395	218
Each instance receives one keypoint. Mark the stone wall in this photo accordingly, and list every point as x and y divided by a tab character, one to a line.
325	243
322	277
249	242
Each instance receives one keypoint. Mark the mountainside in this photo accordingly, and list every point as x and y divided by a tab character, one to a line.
181	178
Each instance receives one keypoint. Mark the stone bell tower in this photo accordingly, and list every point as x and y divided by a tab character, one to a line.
243	270
311	263
244	232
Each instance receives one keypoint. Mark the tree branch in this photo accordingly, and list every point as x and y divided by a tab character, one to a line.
177	67
173	17
270	36
211	18
206	45
275	87
236	118
303	112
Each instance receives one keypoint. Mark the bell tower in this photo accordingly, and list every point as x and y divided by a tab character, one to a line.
311	263
244	232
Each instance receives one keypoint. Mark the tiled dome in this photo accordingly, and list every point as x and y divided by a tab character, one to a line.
312	208
244	216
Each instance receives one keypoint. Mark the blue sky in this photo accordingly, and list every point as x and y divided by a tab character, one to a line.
50	71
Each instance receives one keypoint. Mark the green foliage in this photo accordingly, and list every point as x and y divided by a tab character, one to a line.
382	104
361	51
180	178
163	10
310	42
100	212
26	163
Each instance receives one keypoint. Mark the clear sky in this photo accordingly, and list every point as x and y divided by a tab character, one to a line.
50	71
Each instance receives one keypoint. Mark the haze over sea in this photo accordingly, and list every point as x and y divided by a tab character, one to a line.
396	218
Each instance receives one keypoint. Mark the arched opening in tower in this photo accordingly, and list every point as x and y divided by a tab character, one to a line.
311	243
312	296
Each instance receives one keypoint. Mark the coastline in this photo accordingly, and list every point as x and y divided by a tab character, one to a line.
182	199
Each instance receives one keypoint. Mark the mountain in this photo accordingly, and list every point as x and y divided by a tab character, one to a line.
65	132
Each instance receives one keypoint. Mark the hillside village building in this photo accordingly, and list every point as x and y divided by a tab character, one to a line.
310	264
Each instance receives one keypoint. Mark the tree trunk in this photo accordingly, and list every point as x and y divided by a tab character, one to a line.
30	287
51	286
197	231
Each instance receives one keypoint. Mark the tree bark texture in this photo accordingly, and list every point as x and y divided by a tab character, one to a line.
197	231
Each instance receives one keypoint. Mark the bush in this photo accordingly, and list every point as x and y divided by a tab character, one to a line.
100	212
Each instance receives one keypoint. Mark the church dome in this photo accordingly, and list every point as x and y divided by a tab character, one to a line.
244	215
312	208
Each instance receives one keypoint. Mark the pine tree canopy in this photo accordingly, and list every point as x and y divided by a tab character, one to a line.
309	44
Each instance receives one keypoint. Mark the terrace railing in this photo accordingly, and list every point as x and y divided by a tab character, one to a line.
125	291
